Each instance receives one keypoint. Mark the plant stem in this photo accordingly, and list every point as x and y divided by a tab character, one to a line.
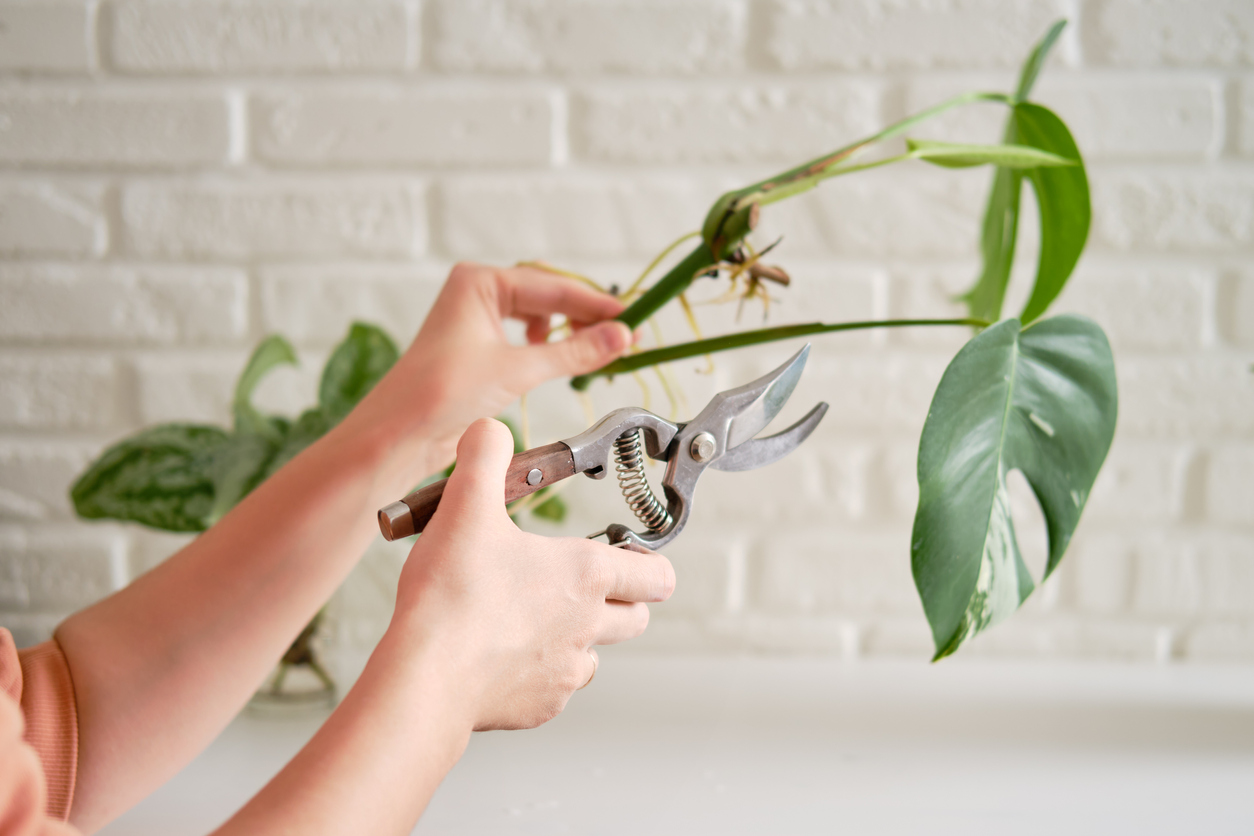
676	281
746	338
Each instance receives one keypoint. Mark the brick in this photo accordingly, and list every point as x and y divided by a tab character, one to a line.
1051	637
149	548
50	219
30	629
1152	117
1160	397
1223	641
1243	119
316	304
44	37
911	210
518	217
1235	308
74	128
1142	309
1146	117
1173	210
272	219
930	292
35	477
568	36
67	392
913	34
710	576
438	126
62	304
284	36
1230	485
854	573
63	569
886	391
743	124
1148	33
198	388
1139	482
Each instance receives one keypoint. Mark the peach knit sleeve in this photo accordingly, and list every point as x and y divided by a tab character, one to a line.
38	739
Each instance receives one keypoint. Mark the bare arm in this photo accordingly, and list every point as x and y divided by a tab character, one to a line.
493	629
160	667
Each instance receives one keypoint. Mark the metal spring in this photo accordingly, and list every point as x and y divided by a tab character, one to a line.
629	463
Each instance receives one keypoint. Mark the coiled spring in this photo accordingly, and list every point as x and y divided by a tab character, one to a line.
629	464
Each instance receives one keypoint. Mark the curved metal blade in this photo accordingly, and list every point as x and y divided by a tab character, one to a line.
762	451
758	402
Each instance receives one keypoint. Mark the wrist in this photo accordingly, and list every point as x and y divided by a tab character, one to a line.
420	664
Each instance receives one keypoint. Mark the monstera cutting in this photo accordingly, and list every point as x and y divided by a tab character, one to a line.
1027	393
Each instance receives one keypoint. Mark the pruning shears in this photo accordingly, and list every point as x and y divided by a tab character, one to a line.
722	436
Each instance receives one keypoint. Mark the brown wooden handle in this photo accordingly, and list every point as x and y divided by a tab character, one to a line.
411	514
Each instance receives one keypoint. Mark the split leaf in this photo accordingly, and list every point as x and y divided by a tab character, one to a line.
1040	400
274	351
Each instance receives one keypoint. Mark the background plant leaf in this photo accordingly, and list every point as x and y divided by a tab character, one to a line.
160	477
352	370
958	155
1041	400
1000	229
273	351
1036	60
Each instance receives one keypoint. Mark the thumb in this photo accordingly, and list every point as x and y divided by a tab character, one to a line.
588	349
477	485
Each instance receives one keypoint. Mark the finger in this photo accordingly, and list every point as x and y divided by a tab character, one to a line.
527	291
538	328
478	483
637	576
622	622
587	350
594	662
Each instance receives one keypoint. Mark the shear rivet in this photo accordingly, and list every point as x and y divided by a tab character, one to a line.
702	448
534	477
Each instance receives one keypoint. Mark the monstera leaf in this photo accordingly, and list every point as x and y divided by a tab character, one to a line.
1041	400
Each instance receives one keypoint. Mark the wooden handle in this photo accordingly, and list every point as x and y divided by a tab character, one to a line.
411	515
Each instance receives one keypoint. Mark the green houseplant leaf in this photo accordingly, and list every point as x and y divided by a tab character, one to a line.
356	365
161	478
273	351
1041	400
1062	195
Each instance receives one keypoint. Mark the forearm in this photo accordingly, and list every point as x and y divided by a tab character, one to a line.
374	765
160	667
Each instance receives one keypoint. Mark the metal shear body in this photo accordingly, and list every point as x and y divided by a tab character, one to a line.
722	436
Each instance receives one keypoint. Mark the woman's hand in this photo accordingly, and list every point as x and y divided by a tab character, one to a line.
461	367
516	614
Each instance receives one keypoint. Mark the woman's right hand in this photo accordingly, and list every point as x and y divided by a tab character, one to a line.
515	615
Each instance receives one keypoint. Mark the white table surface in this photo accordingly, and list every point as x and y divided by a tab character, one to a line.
799	746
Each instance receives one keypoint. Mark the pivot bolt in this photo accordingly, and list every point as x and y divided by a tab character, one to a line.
703	447
535	477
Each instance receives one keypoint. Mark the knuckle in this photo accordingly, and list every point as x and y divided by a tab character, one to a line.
666	581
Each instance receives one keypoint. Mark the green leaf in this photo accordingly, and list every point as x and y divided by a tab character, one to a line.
307	429
159	477
955	155
1062	196
273	351
353	369
1036	60
552	509
997	244
1040	400
239	465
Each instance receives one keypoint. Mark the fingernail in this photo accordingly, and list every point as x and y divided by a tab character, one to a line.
613	336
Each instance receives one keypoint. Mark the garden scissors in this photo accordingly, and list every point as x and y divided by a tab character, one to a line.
721	437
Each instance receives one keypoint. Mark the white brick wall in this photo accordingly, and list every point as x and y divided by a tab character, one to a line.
179	178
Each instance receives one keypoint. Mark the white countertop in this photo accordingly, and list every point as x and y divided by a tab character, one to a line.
768	746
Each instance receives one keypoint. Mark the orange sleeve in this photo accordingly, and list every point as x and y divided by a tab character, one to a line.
39	696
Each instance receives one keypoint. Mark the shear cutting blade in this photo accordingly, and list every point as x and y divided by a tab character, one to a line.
772	392
759	452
